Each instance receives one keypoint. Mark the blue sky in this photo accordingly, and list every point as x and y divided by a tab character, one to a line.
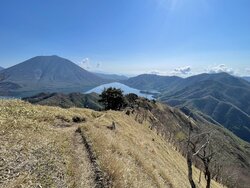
181	37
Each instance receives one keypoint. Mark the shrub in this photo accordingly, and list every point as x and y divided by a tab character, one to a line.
112	98
77	119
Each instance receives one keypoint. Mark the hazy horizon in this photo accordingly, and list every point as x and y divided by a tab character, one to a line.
219	69
166	37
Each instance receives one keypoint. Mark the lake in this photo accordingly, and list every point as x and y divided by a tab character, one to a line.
126	90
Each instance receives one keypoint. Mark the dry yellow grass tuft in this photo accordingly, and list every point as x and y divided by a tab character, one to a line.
39	147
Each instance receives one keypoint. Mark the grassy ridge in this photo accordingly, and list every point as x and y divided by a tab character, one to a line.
133	155
35	151
38	148
232	154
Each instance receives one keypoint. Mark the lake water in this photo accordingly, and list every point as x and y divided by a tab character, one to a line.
124	88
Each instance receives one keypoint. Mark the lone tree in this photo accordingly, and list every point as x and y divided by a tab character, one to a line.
112	98
199	146
131	99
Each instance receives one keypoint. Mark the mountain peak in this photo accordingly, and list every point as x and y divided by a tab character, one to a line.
50	72
52	58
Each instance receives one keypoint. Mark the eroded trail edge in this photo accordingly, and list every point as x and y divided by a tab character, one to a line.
100	181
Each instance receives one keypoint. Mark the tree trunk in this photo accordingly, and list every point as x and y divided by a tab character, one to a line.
208	177
189	159
190	173
208	180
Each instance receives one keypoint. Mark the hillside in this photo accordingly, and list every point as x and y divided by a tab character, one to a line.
223	78
78	100
47	149
224	113
230	94
224	98
46	74
152	82
231	153
113	77
171	124
1	68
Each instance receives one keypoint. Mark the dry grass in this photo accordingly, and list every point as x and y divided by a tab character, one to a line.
135	156
39	148
35	152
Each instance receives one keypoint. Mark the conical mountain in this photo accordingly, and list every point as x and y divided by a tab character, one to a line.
48	73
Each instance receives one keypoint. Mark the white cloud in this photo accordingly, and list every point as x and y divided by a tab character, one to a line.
248	70
182	70
85	63
89	65
220	68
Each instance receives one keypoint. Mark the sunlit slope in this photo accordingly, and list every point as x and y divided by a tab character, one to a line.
39	147
133	155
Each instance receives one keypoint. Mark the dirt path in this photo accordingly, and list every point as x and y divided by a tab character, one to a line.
83	171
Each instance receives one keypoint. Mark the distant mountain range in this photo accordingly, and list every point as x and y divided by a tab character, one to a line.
152	82
222	97
46	74
113	77
1	68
